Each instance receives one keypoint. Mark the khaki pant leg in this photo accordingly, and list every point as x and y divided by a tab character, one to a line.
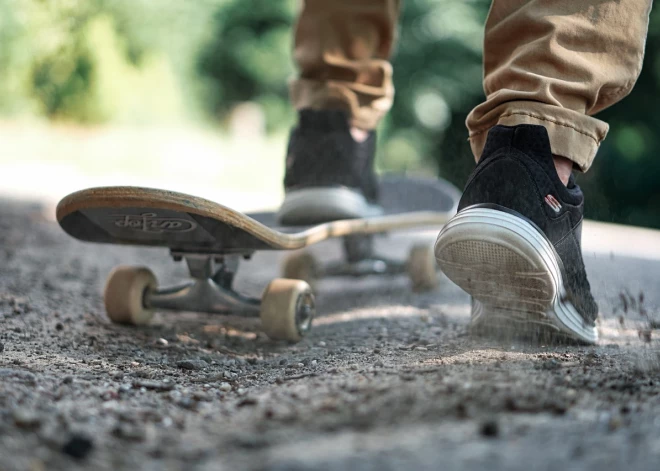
342	49
556	63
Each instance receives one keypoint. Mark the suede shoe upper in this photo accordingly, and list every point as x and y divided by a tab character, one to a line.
323	153
516	173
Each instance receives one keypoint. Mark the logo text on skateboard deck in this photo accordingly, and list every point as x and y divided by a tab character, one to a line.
150	222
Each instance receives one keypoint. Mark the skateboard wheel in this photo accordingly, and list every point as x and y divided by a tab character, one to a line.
124	295
300	266
287	309
421	268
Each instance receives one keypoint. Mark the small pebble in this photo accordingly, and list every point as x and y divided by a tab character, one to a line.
614	423
162	342
490	429
25	418
192	364
226	387
129	432
154	385
322	343
187	403
248	401
78	446
645	335
59	326
2	347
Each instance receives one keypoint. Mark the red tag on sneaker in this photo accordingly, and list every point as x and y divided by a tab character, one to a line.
553	203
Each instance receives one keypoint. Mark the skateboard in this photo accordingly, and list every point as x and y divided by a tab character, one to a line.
213	239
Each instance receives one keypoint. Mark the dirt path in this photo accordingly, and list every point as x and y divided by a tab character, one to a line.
386	380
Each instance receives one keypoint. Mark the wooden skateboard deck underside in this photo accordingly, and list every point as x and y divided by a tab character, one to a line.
184	223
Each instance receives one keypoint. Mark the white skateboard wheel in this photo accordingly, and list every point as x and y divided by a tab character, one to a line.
300	265
124	295
287	309
422	268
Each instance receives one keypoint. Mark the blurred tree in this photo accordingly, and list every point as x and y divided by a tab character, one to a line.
249	58
437	75
623	185
100	60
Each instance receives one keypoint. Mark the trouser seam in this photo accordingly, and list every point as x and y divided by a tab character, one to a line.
541	118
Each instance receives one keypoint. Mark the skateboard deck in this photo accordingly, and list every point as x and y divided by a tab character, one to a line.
188	224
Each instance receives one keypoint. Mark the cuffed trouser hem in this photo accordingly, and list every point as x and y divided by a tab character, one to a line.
330	94
572	135
342	50
558	63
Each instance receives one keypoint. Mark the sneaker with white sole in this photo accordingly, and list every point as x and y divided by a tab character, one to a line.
515	243
329	175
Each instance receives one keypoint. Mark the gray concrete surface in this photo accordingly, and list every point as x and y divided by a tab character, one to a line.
388	379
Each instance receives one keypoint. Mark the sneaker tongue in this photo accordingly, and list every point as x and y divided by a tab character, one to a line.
323	120
530	139
533	141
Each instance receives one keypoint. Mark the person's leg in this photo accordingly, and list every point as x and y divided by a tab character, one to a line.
343	89
515	243
342	49
556	63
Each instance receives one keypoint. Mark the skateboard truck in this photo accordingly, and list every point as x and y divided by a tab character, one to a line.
359	259
210	291
286	308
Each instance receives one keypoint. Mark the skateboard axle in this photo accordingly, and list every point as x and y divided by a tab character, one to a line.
211	291
202	296
369	266
360	259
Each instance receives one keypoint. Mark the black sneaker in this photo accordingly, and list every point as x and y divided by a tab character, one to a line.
514	244
329	175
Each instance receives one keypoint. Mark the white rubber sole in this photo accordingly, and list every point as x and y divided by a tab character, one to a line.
512	273
314	205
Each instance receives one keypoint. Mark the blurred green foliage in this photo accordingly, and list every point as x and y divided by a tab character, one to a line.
100	61
623	185
96	61
249	58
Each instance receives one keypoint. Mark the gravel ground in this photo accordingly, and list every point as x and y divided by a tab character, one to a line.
388	379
